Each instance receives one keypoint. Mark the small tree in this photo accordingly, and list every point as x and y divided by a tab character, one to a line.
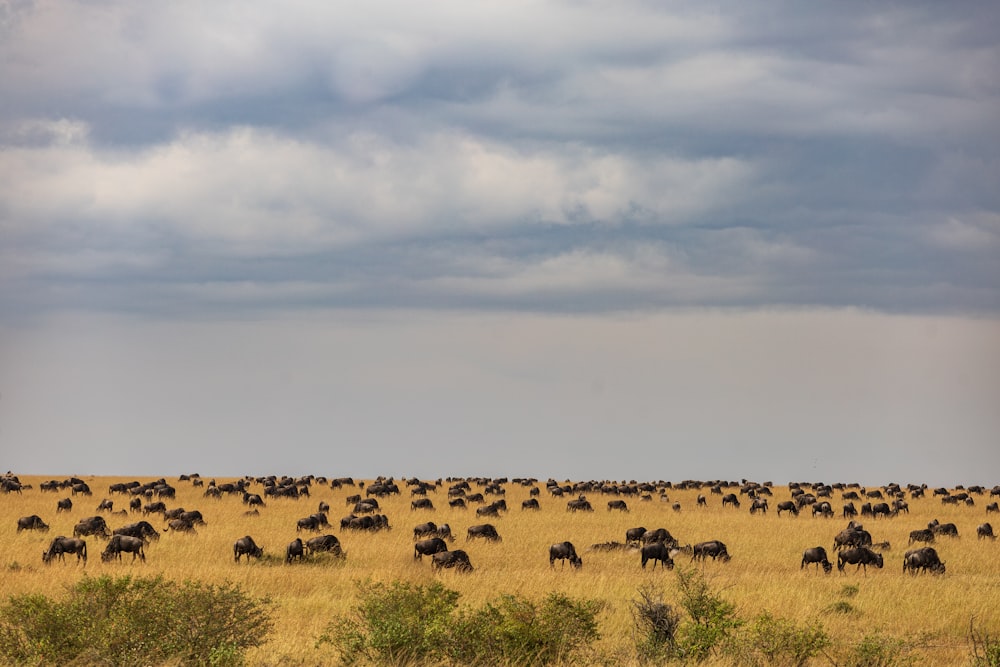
712	618
656	623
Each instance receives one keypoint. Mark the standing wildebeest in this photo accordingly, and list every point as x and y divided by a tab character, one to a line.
617	505
158	506
422	504
702	501
730	499
328	543
758	505
424	529
564	551
312	522
850	510
816	555
105	505
119	543
457	559
788	506
985	530
444	532
457	503
193	516
860	556
530	504
925	535
66	545
141	529
659	535
852	537
579	505
993	507
294	550
64	505
923	559
246	545
33	522
939	528
713	548
94	525
657	551
486	531
428	547
823	508
881	509
634	535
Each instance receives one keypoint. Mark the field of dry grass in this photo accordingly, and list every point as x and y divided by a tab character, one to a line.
931	611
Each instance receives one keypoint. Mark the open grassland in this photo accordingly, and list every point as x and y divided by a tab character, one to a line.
932	612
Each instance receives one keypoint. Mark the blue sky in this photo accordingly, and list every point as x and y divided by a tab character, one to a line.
784	219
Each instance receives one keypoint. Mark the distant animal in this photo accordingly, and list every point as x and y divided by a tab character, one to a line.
65	545
119	543
486	531
422	504
923	559
730	499
713	548
295	550
702	501
530	504
788	506
246	546
33	522
852	537
984	531
457	503
948	529
634	535
993	507
925	535
327	543
105	505
424	529
758	505
657	551
314	522
823	509
428	547
617	505
141	529
158	506
457	559
564	551
94	525
850	510
579	505
860	556
180	526
816	555
881	509
64	505
659	535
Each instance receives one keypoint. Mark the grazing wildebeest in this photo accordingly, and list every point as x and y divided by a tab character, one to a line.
294	550
850	510
312	522
246	545
852	537
135	504
180	526
900	505
530	504
985	530
713	548
141	529
564	551
66	545
658	535
579	505
119	543
993	507
608	546
758	505
925	535
702	501
488	510
424	529
730	499
788	506
486	531
33	522
428	547
158	506
94	525
923	559
816	555
657	551
254	500
823	508
193	516
949	529
457	503
328	543
422	504
881	509
617	505
444	532
475	498
457	559
860	556
323	506
64	505
105	505
634	535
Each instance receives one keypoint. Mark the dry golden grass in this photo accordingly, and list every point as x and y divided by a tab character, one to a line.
763	575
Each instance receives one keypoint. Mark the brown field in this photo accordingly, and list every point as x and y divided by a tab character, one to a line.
931	612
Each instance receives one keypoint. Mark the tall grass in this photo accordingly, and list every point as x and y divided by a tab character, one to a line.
930	614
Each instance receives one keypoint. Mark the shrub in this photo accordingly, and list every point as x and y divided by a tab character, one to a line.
712	618
126	621
656	623
985	648
776	641
876	650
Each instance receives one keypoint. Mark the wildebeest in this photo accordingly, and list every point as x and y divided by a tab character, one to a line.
488	510
422	504
816	555
428	547
923	559
702	501
658	535
94	525
158	506
758	505
64	505
180	526
579	505
939	528
564	551
657	551
860	556
713	548
634	535
730	499
486	531
312	522
881	509
105	505
993	507
246	546
457	559
985	530
141	529
119	543
788	506
328	543
135	504
193	516
822	508
457	503
66	545
424	529
530	504
617	505
294	550
850	510
925	535
33	522
852	537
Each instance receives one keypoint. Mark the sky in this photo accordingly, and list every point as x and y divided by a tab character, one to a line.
581	240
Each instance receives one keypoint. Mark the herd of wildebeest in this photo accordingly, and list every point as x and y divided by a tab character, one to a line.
853	545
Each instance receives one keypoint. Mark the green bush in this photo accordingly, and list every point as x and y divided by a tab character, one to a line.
712	619
403	623
876	650
985	648
776	641
126	621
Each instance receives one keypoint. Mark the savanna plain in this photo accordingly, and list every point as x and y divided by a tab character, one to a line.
930	615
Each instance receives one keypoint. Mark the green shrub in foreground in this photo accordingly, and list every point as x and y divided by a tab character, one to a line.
134	621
